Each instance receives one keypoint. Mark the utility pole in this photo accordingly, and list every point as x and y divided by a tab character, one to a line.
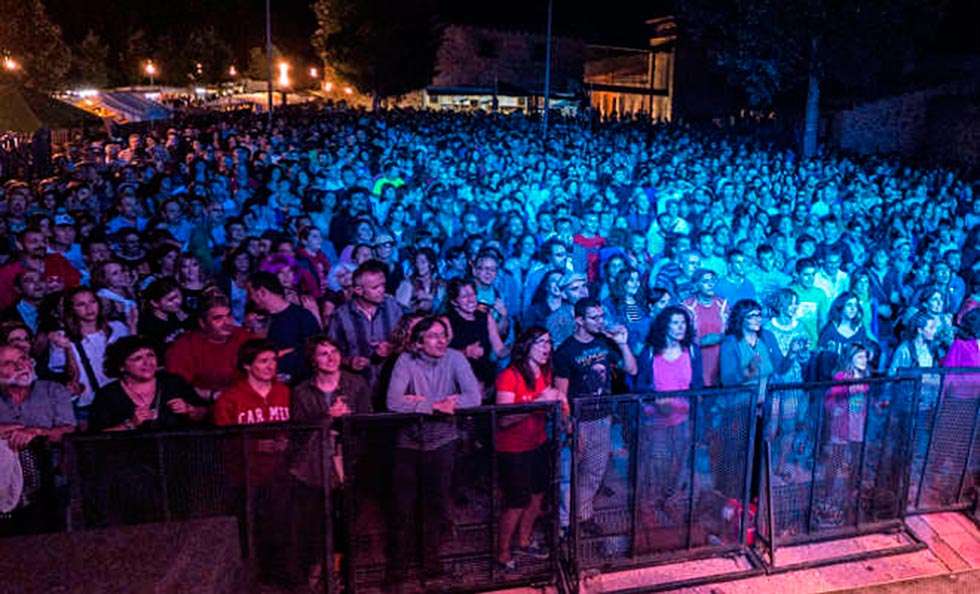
268	54
547	75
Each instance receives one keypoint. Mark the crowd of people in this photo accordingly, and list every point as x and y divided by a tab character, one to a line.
334	261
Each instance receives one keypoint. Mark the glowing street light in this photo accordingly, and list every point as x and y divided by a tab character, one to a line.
10	64
314	73
348	91
232	71
151	70
283	74
328	86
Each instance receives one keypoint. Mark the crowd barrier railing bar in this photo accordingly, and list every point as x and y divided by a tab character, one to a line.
682	493
396	538
836	457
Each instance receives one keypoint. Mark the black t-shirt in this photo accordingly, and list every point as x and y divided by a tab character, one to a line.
588	366
112	406
161	332
290	329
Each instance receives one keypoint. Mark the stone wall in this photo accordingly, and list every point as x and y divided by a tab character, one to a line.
910	125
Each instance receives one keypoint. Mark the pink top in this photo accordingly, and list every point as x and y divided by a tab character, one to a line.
963	353
670	376
846	407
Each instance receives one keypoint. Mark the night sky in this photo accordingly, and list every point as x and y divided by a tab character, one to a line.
618	22
242	21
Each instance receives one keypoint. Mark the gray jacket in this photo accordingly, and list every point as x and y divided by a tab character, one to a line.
434	379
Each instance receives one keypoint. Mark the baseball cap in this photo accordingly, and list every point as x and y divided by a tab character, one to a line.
64	219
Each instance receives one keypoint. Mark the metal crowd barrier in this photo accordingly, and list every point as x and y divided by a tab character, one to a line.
631	481
945	465
274	478
424	496
661	478
835	464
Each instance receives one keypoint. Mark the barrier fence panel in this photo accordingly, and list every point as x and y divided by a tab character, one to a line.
42	494
658	478
946	458
272	478
837	456
428	498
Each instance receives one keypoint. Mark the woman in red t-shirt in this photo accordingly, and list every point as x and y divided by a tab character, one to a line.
520	443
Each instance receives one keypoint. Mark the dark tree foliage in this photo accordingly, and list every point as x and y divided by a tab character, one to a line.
770	48
90	62
28	36
382	47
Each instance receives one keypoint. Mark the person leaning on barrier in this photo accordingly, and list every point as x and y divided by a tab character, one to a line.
429	378
31	411
143	396
520	444
329	394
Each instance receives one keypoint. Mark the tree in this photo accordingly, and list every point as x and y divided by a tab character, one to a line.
258	67
382	47
90	62
204	47
772	48
29	37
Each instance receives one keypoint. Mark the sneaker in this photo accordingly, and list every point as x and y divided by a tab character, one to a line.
507	567
533	550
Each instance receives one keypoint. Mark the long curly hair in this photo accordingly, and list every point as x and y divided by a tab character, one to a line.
657	338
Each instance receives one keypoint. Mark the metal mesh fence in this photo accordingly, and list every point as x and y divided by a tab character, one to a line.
428	499
656	476
270	478
837	457
946	457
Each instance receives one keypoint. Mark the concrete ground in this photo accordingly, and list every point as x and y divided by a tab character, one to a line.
949	565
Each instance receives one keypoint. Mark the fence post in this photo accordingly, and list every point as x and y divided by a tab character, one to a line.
940	399
769	500
494	508
861	457
326	455
694	409
162	472
634	476
753	420
350	477
817	439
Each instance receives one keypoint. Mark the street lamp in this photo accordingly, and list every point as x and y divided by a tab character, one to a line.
314	73
10	64
151	70
232	71
283	74
283	80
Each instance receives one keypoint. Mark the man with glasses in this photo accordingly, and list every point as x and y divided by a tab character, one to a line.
583	367
30	410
